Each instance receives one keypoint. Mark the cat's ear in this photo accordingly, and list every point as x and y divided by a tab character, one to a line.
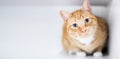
86	6
64	14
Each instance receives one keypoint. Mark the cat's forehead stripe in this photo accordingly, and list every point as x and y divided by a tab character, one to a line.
78	14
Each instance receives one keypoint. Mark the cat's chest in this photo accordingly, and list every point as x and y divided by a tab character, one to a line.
86	40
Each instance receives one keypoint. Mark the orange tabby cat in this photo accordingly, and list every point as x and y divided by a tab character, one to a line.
83	33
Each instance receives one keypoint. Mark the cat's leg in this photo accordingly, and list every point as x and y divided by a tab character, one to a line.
73	50
69	47
66	45
98	52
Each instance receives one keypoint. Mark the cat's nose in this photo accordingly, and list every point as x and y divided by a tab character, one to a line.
83	30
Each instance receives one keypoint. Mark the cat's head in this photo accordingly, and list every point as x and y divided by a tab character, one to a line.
81	22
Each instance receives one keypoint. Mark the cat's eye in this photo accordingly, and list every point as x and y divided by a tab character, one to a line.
86	20
75	25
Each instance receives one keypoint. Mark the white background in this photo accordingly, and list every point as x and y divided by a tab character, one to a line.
30	30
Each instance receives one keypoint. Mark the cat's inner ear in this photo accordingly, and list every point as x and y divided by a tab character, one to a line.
86	5
64	14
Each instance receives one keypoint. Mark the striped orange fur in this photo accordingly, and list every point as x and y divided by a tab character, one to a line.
81	24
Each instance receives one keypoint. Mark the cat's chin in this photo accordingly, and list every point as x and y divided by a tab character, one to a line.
83	34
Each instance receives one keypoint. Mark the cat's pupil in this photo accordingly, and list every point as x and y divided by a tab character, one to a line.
75	25
86	20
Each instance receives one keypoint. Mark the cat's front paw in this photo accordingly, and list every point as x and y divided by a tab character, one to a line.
80	53
97	54
71	52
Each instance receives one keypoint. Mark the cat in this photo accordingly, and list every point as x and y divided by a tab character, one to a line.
83	32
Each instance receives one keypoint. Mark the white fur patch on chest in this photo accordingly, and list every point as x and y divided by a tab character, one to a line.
85	40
